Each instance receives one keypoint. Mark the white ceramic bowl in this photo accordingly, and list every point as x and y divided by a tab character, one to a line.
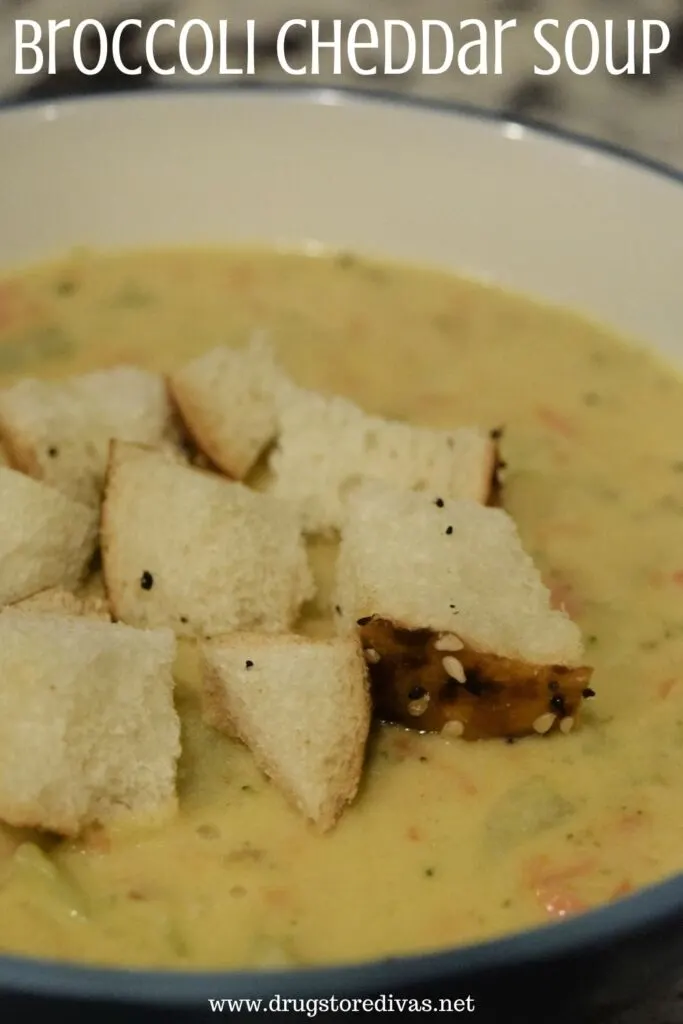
483	196
535	212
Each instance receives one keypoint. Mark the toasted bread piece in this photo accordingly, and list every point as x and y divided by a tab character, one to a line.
88	730
4	461
194	551
228	399
328	445
455	620
301	706
58	601
59	431
46	539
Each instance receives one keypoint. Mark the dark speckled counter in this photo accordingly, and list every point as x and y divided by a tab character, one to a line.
642	113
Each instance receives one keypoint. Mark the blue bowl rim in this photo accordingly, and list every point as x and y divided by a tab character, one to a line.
660	904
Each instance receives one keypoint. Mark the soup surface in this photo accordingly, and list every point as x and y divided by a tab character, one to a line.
448	841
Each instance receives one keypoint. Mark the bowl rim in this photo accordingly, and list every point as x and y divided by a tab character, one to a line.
659	904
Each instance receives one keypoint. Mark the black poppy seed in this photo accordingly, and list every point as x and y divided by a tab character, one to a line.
449	530
53	452
364	621
424	759
588	693
249	664
501	464
417	693
453	608
337	609
429	872
557	703
510	740
474	687
183	619
496	433
439	502
146	580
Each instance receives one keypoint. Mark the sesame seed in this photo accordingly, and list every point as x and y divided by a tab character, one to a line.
448	642
453	728
454	669
371	655
249	664
417	693
449	530
544	723
146	580
588	693
439	502
418	707
364	621
566	725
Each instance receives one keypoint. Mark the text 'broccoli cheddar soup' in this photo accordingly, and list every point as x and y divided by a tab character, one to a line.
540	771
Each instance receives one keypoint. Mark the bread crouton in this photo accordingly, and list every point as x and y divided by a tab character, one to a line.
58	601
228	399
194	551
88	730
456	623
59	431
46	539
327	445
301	706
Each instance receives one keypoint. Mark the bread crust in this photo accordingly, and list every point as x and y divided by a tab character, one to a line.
199	426
500	698
21	452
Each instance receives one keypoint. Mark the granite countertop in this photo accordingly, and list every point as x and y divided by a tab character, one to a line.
641	113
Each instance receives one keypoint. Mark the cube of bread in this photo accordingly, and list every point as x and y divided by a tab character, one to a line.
302	708
456	623
327	445
59	431
58	601
189	549
88	730
228	399
46	539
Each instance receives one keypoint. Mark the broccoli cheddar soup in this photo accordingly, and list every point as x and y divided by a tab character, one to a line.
448	840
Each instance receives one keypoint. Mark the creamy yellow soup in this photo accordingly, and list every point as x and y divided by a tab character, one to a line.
448	841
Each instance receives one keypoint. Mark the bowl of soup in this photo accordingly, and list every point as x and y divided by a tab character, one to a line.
437	267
